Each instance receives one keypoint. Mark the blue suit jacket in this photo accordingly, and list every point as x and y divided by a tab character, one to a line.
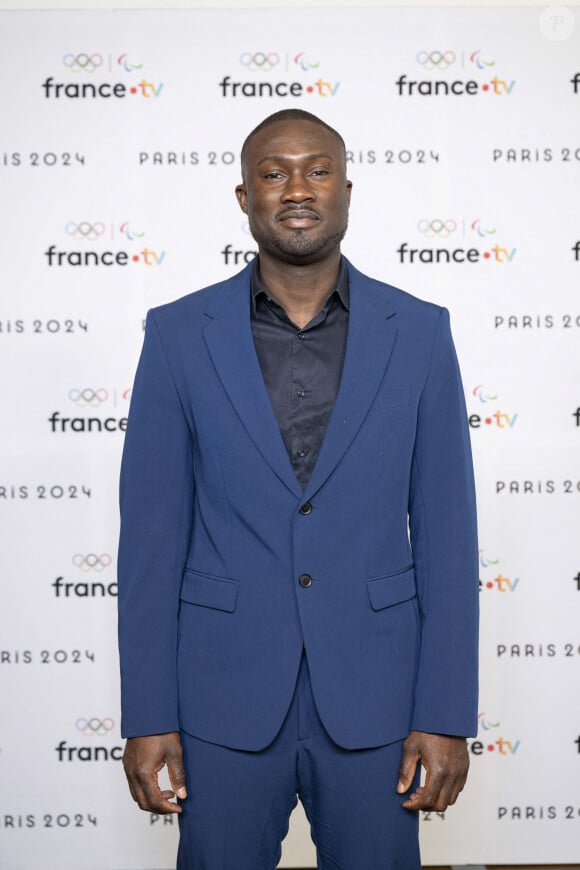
212	616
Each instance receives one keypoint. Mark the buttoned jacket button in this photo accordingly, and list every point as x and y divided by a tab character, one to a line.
306	509
305	580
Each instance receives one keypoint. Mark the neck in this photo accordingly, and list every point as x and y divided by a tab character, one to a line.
300	290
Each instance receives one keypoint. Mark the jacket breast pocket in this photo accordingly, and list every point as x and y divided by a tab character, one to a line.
392	405
209	591
394	398
392	588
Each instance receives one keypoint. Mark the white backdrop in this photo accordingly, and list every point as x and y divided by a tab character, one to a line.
119	152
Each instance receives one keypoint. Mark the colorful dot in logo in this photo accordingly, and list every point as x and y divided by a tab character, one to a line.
485	87
486	255
135	258
488	421
310	89
489	584
133	90
490	747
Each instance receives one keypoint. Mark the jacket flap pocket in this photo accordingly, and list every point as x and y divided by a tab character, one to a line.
393	589
209	591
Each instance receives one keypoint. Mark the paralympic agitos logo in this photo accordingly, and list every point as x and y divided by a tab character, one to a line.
477	68
489	740
472	240
89	239
85	72
490	417
257	66
498	582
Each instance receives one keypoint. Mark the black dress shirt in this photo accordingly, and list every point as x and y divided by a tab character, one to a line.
301	367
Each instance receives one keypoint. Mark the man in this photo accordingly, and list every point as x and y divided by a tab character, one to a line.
298	557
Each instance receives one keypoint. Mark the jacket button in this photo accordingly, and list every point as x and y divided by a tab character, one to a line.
305	509
305	580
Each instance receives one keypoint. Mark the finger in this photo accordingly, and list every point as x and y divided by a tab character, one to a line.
151	798
407	768
159	804
176	773
425	796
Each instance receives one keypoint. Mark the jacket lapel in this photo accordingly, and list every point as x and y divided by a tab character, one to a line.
371	338
228	335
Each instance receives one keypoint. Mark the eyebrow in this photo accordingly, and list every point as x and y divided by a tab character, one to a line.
294	157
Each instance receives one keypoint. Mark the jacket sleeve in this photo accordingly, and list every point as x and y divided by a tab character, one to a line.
156	499
443	530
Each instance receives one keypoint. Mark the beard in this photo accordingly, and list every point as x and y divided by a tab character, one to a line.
300	247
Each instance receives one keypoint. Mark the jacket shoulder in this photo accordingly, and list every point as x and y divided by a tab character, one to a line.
399	301
190	308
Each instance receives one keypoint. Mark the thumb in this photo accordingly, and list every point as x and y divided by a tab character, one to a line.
408	767
176	771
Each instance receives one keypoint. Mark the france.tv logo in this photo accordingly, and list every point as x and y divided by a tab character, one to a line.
292	64
457	240
494	419
83	67
448	63
498	583
82	232
487	737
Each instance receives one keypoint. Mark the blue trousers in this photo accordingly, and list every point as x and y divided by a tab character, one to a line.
239	803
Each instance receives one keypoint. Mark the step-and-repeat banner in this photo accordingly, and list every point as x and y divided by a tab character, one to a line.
119	153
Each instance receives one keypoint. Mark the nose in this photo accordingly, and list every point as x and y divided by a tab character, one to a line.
297	188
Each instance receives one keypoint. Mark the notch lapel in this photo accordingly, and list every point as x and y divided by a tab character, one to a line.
371	338
229	339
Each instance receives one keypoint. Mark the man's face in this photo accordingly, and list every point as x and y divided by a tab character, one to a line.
295	191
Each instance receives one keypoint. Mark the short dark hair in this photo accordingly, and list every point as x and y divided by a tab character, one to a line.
291	115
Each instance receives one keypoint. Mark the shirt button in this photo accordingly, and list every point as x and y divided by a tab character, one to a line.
301	336
305	509
305	580
300	394
301	452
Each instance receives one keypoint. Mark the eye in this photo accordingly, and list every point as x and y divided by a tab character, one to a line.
320	172
274	174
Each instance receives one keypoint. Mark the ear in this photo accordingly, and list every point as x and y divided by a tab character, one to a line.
348	190
242	197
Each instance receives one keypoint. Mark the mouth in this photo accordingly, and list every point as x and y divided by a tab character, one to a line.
298	218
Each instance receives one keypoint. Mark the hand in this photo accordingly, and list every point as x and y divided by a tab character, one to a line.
143	759
446	761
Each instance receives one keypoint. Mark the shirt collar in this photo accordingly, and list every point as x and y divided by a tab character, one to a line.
341	287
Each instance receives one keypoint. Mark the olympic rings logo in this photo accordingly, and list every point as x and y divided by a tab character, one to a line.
260	61
82	62
85	230
91	561
437	227
85	397
436	59
95	727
